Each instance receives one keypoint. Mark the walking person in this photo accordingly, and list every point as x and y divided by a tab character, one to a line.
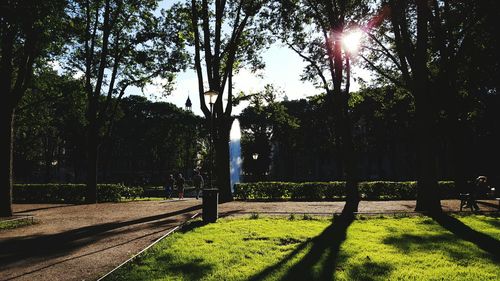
180	186
169	186
198	183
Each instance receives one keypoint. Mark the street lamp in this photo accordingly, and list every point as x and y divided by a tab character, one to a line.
255	156
211	195
211	95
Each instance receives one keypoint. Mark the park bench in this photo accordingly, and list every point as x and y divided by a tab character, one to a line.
464	201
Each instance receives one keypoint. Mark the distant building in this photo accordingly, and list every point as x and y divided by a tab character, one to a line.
189	105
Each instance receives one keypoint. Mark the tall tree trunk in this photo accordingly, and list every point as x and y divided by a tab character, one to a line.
7	155
344	123
222	164
352	190
457	136
459	150
428	197
92	158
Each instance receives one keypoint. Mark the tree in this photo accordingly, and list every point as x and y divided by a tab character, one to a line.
314	30
118	44
151	139
425	48
49	129
29	30
264	123
226	36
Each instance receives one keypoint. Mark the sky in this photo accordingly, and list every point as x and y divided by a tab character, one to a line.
283	69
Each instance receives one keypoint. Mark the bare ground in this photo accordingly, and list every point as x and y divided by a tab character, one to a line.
83	242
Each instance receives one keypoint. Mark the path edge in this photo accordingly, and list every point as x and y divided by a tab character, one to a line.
149	246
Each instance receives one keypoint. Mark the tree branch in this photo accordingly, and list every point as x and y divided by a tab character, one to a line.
197	59
383	73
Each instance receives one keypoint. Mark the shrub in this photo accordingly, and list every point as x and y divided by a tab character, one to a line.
375	190
254	216
71	193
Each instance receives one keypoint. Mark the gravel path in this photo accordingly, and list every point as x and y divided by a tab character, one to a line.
83	242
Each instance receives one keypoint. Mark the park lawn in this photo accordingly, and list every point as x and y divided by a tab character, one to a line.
382	248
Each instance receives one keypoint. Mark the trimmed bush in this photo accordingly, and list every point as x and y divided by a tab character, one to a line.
71	193
375	190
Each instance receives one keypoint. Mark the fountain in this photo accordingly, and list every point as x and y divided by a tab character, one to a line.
235	153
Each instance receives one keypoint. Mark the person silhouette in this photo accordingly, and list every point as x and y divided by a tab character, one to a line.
169	186
198	183
180	185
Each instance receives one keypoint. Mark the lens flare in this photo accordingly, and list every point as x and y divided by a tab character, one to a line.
352	40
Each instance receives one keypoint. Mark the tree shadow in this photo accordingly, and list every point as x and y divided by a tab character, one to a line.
55	245
494	223
493	205
320	262
369	270
37	269
193	269
46	208
192	225
464	232
409	243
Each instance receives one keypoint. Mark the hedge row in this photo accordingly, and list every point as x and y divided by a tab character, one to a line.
71	193
374	190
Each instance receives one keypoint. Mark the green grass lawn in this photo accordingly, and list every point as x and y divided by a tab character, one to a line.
407	248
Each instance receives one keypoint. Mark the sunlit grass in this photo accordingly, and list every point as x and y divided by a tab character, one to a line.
263	248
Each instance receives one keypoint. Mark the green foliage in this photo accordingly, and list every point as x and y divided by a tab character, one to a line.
263	122
49	126
413	248
71	193
254	216
11	224
307	217
375	190
147	138
154	136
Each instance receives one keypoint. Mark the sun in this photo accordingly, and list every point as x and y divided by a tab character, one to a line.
351	41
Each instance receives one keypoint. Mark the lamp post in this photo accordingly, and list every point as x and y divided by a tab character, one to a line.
211	95
211	195
255	156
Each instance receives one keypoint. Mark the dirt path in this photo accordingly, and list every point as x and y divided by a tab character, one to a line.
83	242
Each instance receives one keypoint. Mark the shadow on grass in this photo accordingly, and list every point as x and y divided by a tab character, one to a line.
483	241
494	223
447	243
190	270
56	245
369	270
192	225
320	262
162	266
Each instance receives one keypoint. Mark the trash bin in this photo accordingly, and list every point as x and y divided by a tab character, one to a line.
210	205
